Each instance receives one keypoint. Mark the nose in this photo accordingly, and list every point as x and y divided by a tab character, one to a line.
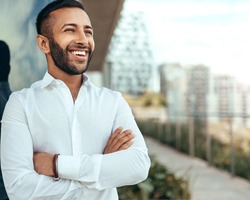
82	38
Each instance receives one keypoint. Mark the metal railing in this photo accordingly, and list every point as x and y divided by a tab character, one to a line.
174	127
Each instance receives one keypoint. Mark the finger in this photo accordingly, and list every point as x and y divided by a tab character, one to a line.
114	135
127	137
110	143
126	145
117	132
119	137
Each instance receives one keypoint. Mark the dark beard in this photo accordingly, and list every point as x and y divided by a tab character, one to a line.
61	60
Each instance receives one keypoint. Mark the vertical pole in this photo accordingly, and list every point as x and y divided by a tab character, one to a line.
191	135
178	133
156	127
160	131
208	142
232	147
168	131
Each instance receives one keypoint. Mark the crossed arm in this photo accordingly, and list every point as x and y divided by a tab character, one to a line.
28	175
119	140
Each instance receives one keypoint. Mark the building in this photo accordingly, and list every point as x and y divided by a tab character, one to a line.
198	90
225	89
195	91
173	78
129	64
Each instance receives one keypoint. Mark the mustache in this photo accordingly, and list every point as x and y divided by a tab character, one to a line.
82	47
90	58
79	46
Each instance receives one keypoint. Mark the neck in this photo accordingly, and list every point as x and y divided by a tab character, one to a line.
74	85
73	82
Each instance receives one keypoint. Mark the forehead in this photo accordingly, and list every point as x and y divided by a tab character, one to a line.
70	16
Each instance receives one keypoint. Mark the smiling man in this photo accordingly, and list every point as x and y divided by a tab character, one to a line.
64	138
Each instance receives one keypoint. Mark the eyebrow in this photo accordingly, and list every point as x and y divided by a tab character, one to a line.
75	25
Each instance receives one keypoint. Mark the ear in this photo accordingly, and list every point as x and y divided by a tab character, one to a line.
43	43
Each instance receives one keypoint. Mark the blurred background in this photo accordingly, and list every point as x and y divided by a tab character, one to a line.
182	66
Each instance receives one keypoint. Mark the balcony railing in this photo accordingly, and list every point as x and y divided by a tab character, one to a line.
222	139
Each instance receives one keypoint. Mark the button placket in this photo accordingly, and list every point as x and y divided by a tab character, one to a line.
76	133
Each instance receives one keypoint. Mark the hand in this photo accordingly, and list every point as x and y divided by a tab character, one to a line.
119	140
43	163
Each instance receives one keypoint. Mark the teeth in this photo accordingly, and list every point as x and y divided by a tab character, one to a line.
81	53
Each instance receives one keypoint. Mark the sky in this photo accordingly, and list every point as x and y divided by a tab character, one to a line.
215	33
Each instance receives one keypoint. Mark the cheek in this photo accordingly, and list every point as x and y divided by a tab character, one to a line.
64	42
92	44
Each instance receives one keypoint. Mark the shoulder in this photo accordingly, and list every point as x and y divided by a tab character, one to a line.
99	90
110	97
19	95
25	92
36	84
105	92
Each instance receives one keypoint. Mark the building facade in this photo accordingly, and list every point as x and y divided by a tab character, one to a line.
173	85
195	91
129	64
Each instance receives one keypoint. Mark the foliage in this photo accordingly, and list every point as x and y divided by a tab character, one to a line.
148	99
160	184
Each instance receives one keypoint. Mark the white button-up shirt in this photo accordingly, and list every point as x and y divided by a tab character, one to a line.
44	118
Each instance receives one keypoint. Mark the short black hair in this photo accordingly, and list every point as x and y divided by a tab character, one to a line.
54	5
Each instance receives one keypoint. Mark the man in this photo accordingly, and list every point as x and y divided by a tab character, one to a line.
4	95
65	138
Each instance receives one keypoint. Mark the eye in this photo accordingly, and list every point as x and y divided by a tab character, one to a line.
69	30
89	32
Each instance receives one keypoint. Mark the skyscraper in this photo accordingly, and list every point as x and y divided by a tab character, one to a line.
129	64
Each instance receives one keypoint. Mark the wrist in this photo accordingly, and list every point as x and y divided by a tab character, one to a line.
54	168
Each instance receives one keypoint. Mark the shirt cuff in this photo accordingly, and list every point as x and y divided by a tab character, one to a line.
80	168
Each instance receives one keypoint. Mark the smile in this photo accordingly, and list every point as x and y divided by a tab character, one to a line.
79	53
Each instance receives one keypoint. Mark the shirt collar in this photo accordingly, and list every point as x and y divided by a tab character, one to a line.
48	79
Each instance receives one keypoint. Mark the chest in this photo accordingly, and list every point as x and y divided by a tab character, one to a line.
57	126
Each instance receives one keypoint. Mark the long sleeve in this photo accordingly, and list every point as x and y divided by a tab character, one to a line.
111	170
44	119
21	181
